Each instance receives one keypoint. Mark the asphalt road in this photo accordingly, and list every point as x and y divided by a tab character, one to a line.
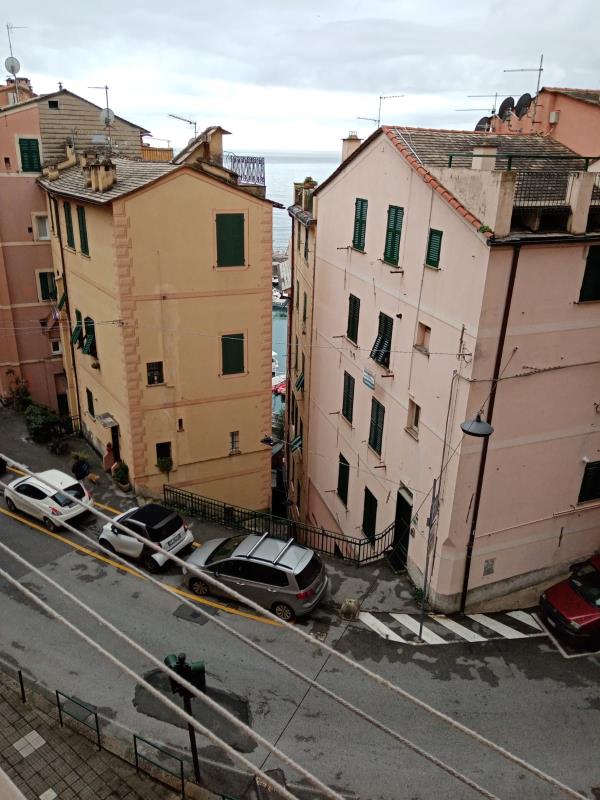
523	694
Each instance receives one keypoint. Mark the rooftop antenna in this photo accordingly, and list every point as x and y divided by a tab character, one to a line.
382	97
12	64
189	122
539	71
107	116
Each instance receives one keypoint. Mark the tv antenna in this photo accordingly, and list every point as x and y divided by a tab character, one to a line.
539	71
382	97
189	122
12	64
107	116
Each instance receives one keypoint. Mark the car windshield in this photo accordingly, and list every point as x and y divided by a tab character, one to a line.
310	572
62	499
76	490
225	549
586	582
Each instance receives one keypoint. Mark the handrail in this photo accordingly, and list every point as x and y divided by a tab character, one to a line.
510	157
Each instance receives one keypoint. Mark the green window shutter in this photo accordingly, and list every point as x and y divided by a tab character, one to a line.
62	301
434	247
47	286
383	343
376	427
590	286
76	333
30	155
353	318
360	223
590	485
83	238
369	522
392	235
348	397
232	346
343	479
69	225
89	344
230	240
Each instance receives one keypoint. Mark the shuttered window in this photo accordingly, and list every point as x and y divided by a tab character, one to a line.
343	478
353	318
232	346
376	427
304	308
89	344
77	334
590	485
69	225
383	343
434	248
230	240
30	155
56	217
360	224
306	244
83	237
369	515
47	286
348	397
393	231
90	402
590	287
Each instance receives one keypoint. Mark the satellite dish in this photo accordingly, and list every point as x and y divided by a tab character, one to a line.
12	65
506	108
483	124
107	117
523	104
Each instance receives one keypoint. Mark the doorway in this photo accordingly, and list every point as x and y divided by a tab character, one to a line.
398	556
114	436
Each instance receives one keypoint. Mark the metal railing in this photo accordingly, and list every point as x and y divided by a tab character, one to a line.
537	188
595	201
506	161
358	551
138	755
249	169
90	712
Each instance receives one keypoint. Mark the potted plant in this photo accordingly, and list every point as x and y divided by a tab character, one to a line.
165	464
121	476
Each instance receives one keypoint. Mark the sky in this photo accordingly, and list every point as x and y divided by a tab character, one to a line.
295	76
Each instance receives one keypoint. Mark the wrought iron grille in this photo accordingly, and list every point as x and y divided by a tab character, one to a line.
542	189
249	169
595	201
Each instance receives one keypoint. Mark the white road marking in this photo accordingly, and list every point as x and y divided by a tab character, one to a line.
459	630
498	627
525	618
413	625
372	622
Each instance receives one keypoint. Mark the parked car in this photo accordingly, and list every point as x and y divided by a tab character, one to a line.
52	506
571	608
153	521
285	577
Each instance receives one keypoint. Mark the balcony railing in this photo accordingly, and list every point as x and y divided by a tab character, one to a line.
249	169
595	201
537	188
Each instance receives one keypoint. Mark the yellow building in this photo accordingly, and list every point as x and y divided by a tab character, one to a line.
166	318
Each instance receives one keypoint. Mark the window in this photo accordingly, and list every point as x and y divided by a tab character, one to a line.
7	163
590	485
180	424
89	344
306	243
360	224
304	309
83	238
30	155
298	236
434	247
393	231
343	477
383	343
297	295
56	217
41	227
348	397
163	450
90	402
353	318
296	355
369	515
414	415
590	286
69	225
376	427
55	347
53	105
230	240
27	490
77	334
47	285
234	442
232	350
423	334
154	371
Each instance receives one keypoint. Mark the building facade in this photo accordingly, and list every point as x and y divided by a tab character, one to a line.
446	285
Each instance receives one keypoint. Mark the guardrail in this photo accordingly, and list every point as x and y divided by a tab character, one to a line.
62	710
139	756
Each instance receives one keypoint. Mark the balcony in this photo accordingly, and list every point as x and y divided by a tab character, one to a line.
249	169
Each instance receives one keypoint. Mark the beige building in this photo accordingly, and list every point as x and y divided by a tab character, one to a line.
167	274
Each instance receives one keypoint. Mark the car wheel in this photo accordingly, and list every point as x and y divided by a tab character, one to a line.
198	587
149	564
51	526
108	547
284	612
10	505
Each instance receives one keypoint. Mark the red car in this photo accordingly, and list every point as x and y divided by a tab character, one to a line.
571	608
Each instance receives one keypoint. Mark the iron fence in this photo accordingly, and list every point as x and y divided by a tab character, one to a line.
141	756
595	201
62	709
249	169
358	551
537	188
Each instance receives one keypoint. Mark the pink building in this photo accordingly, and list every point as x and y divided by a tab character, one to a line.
33	131
457	273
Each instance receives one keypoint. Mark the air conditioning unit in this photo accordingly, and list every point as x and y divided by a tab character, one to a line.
553	117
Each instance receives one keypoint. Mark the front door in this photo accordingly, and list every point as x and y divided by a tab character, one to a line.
399	552
114	435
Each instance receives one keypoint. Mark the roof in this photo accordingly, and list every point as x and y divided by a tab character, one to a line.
200	139
269	549
131	175
303	216
152	514
586	95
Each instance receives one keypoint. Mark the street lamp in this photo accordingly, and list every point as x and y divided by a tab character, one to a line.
477	427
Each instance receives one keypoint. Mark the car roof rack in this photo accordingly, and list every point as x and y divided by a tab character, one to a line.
283	550
256	545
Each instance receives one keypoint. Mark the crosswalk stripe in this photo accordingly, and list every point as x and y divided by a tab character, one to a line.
372	622
498	627
413	625
459	630
524	617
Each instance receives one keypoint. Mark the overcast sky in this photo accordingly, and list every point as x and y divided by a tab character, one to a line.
295	76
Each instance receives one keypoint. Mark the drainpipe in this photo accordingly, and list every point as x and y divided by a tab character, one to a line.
484	449
288	365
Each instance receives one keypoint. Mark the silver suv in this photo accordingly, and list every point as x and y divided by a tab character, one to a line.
285	577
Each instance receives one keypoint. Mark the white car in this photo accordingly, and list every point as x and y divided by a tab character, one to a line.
52	506
154	522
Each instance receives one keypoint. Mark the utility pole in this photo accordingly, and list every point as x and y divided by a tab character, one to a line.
194	672
539	71
431	532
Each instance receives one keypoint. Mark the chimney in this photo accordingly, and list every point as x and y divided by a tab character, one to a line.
103	175
308	188
483	157
350	144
